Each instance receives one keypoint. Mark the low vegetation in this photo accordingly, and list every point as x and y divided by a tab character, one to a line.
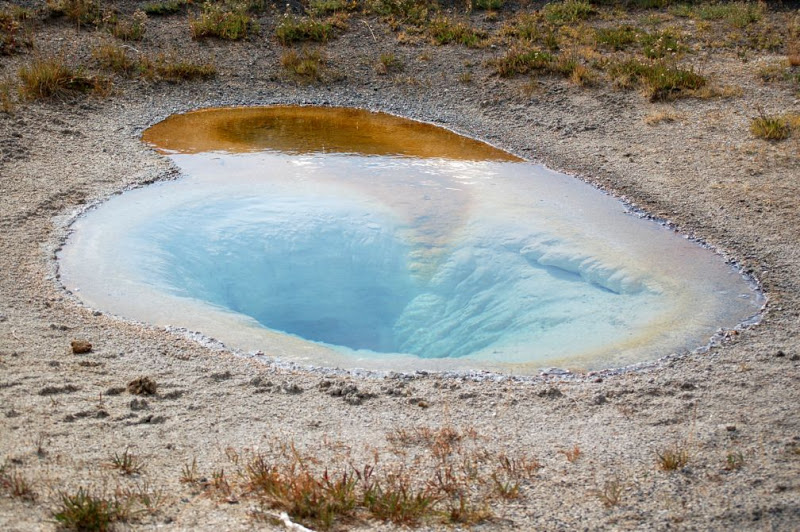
774	127
84	511
292	29
15	37
52	78
672	458
223	20
306	66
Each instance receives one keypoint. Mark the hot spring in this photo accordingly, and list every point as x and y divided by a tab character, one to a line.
341	237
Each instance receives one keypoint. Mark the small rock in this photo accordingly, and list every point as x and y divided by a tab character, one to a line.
551	393
688	386
780	353
142	386
222	376
291	388
794	357
139	404
3	318
80	346
115	390
599	399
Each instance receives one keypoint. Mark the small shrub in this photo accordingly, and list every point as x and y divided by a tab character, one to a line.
306	66
617	38
769	127
168	7
296	29
672	458
396	501
445	31
222	20
52	78
737	14
568	11
85	512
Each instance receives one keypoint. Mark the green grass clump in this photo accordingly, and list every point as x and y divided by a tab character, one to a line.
389	62
299	29
116	59
617	38
161	9
770	127
412	12
82	12
487	5
568	11
223	20
328	7
660	43
737	14
659	80
174	70
87	513
444	31
522	61
52	78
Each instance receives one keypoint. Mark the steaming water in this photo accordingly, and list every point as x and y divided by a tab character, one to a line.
340	237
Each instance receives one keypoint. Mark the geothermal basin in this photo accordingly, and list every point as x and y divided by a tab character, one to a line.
344	238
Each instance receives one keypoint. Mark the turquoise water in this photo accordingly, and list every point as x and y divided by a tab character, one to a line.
388	262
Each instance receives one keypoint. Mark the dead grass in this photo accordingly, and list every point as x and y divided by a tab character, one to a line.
661	117
224	20
307	66
772	127
52	78
672	458
15	37
14	484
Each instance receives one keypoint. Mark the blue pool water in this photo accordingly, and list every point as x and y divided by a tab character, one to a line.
390	262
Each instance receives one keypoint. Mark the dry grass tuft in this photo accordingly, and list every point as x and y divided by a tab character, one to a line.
672	458
52	78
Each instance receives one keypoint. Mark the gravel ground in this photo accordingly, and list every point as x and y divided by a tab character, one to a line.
63	416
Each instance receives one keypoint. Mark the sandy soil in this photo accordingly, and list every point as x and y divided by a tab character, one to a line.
63	416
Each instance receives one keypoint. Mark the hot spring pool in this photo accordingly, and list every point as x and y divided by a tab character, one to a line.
340	237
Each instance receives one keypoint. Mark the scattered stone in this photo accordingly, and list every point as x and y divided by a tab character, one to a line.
222	376
139	404
551	393
794	356
261	384
142	386
54	390
780	353
174	394
12	413
80	347
599	399
347	391
150	419
115	390
467	395
97	414
89	364
54	363
688	386
3	318
291	388
419	401
97	313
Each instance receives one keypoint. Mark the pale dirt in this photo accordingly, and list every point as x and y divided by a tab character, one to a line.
703	172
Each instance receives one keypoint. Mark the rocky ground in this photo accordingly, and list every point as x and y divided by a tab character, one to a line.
590	452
